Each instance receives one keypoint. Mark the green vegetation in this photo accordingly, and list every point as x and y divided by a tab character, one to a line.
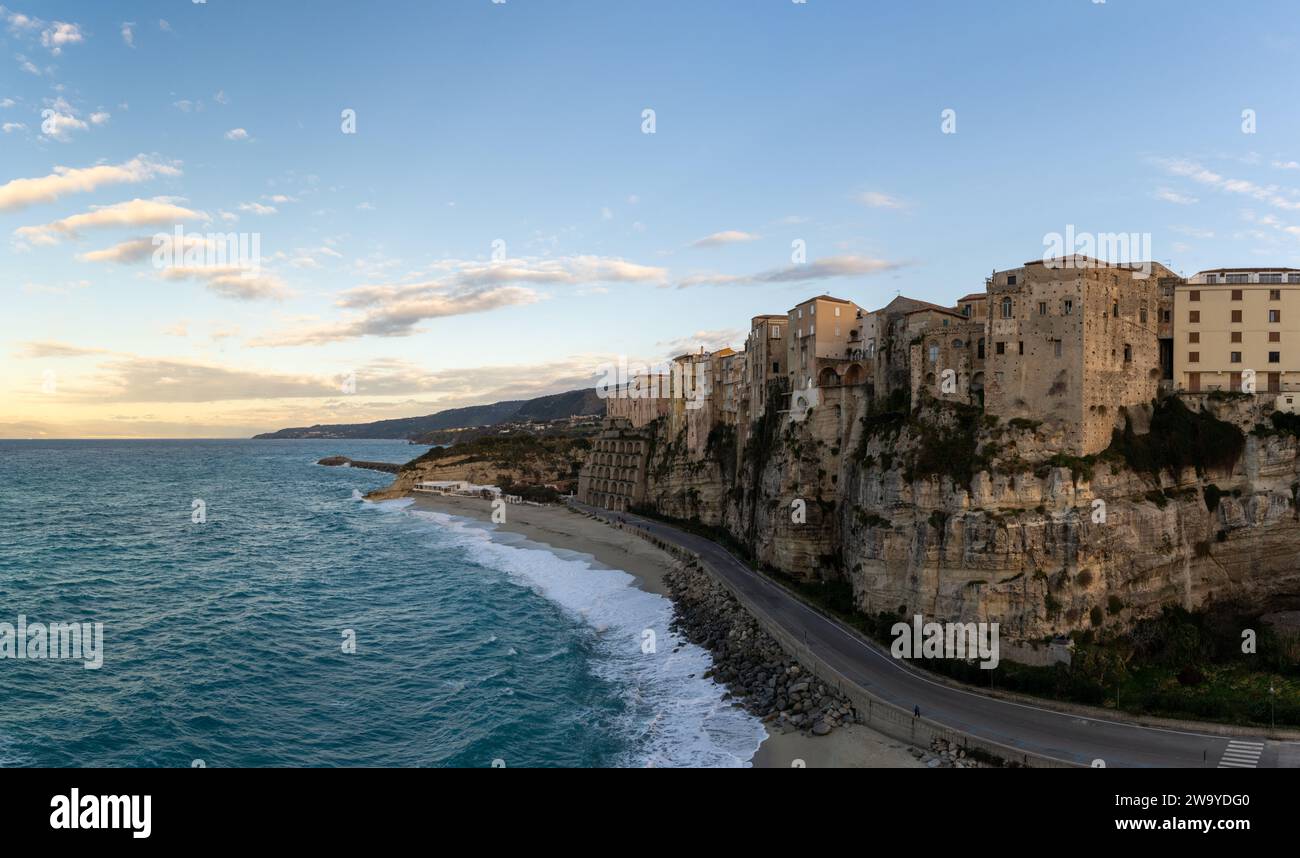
947	446
516	450
1179	438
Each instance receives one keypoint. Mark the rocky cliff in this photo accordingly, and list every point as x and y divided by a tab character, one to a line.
514	462
943	510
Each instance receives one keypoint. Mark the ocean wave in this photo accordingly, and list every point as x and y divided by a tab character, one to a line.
674	717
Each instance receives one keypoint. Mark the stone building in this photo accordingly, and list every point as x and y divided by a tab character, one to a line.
1071	341
824	350
642	400
614	476
765	359
947	361
1237	324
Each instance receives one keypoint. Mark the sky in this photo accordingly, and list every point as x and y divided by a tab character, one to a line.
464	201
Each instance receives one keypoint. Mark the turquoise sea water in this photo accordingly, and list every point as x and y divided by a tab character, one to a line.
223	640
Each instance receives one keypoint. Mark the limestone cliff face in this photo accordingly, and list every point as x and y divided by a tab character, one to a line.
1008	533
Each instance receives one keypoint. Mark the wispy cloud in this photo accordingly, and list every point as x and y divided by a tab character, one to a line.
132	213
730	236
878	200
1273	195
820	269
20	193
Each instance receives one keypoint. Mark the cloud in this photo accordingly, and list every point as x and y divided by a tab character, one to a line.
128	33
60	35
1171	196
221	97
820	269
232	281
460	288
710	341
132	213
20	193
731	236
140	379
11	127
237	134
877	200
257	208
164	25
1282	198
59	120
47	350
6	103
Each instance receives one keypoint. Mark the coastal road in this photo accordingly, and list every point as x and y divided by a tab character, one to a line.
1062	736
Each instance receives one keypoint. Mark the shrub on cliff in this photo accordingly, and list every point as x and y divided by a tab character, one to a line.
1179	438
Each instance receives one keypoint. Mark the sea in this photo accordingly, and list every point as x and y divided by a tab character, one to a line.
256	611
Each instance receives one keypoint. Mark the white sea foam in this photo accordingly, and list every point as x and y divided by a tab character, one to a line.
676	717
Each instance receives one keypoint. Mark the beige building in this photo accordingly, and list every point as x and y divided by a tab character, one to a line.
823	350
1070	342
614	476
1232	325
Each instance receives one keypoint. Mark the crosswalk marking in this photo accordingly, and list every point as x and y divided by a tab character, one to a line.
1241	755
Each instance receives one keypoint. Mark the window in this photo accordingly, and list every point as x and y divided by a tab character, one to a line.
1166	315
1011	280
837	312
1270	278
1194	316
1114	309
1006	308
812	330
1236	294
1194	295
776	366
776	332
1234	357
1238	278
1274	357
1069	307
1193	336
1275	294
1142	315
1236	317
1042	308
1000	348
837	331
980	351
1193	357
934	354
1056	347
1128	353
1274	316
1293	278
1275	336
812	311
1211	278
957	344
1022	347
965	311
801	312
1236	336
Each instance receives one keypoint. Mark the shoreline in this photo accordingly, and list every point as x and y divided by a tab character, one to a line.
557	528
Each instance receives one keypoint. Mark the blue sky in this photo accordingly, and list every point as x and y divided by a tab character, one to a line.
521	123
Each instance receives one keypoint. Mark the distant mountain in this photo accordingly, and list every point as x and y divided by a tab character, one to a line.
554	407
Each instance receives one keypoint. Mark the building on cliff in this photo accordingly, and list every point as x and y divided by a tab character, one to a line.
1072	341
824	350
614	476
1238	329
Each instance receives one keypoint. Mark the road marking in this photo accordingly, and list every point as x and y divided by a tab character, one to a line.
1241	755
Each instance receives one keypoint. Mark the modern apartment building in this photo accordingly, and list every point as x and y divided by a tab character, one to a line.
1233	326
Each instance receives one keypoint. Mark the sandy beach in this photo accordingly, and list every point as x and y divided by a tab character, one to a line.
556	527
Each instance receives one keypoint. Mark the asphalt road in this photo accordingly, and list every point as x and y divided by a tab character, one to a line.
1039	730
